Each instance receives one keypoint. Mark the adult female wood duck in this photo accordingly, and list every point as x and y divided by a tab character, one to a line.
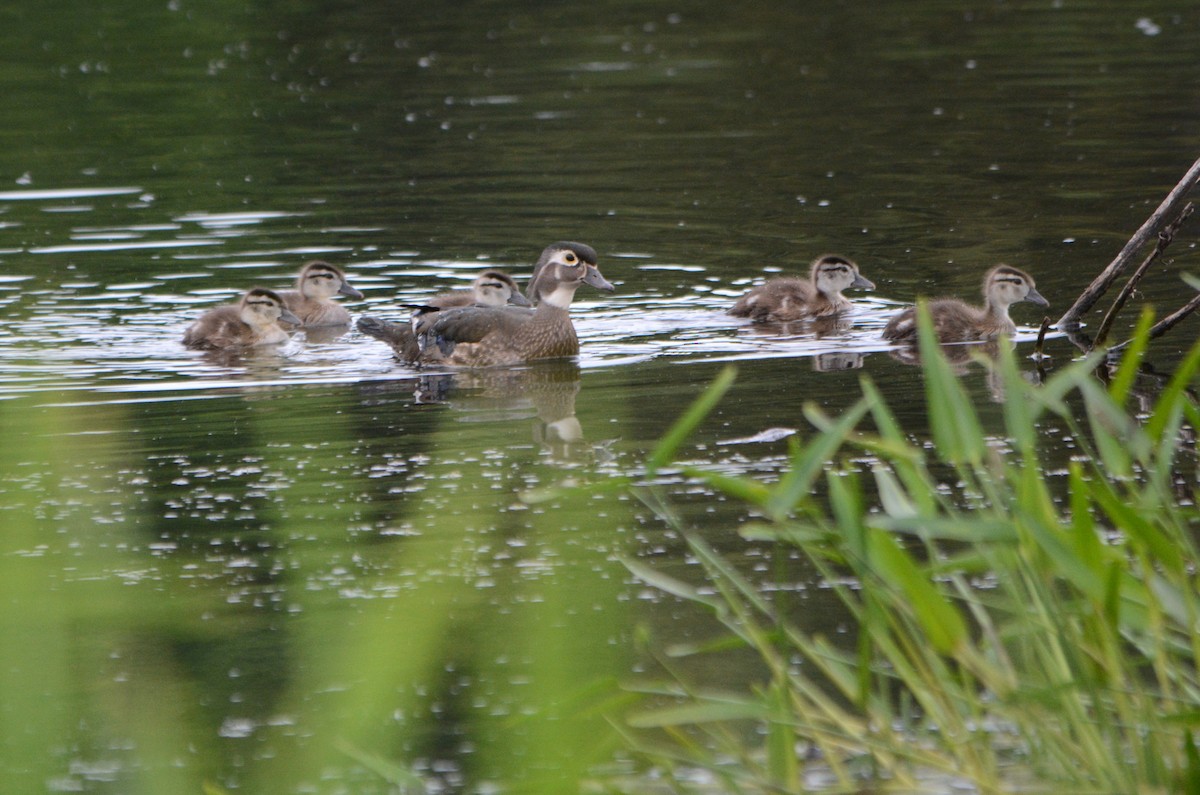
311	301
482	336
254	321
787	299
956	321
490	288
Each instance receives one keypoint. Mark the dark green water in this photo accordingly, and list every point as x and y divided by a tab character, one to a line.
282	573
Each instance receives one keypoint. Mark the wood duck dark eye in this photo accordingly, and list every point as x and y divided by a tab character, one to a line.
570	258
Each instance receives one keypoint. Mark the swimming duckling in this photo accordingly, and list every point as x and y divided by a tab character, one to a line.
490	288
482	336
317	283
254	321
787	299
956	321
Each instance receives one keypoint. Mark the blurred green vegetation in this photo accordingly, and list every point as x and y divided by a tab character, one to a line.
1005	638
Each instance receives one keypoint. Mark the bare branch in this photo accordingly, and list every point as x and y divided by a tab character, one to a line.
1148	230
1168	322
1164	239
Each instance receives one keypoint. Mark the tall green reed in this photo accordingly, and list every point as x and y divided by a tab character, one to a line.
1006	638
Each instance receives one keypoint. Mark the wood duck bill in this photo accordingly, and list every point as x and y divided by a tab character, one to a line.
594	278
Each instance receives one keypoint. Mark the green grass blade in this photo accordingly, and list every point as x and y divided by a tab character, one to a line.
664	451
956	429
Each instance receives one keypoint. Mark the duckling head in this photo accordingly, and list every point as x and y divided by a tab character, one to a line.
262	307
497	288
319	280
1005	285
831	274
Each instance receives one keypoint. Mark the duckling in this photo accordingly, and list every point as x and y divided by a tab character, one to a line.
787	299
490	288
317	283
482	336
956	321
254	321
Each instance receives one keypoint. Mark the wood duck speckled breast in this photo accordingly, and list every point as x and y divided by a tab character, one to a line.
254	321
482	336
957	321
787	299
409	340
311	300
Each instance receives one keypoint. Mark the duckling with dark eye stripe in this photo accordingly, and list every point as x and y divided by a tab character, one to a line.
956	321
254	321
788	299
317	283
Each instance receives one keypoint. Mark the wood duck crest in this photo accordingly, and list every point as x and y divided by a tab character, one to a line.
957	321
482	335
311	300
254	321
787	299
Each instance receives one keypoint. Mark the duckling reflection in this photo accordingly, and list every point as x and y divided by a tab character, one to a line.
961	356
787	299
834	325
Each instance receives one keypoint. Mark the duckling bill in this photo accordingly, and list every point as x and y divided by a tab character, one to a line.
253	321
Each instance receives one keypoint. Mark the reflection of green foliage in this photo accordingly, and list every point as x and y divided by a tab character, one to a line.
214	613
1003	638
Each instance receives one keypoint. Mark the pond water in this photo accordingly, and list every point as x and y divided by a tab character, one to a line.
307	569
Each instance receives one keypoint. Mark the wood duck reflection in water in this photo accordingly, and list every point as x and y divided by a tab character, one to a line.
787	299
544	392
484	336
957	321
409	340
254	321
311	300
837	360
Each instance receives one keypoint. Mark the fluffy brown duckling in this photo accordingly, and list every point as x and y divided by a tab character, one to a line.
957	321
482	336
311	300
490	288
788	299
254	321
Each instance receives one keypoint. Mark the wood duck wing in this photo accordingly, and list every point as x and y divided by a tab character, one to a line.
473	323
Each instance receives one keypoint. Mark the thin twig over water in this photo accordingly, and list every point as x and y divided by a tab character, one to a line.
1101	283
